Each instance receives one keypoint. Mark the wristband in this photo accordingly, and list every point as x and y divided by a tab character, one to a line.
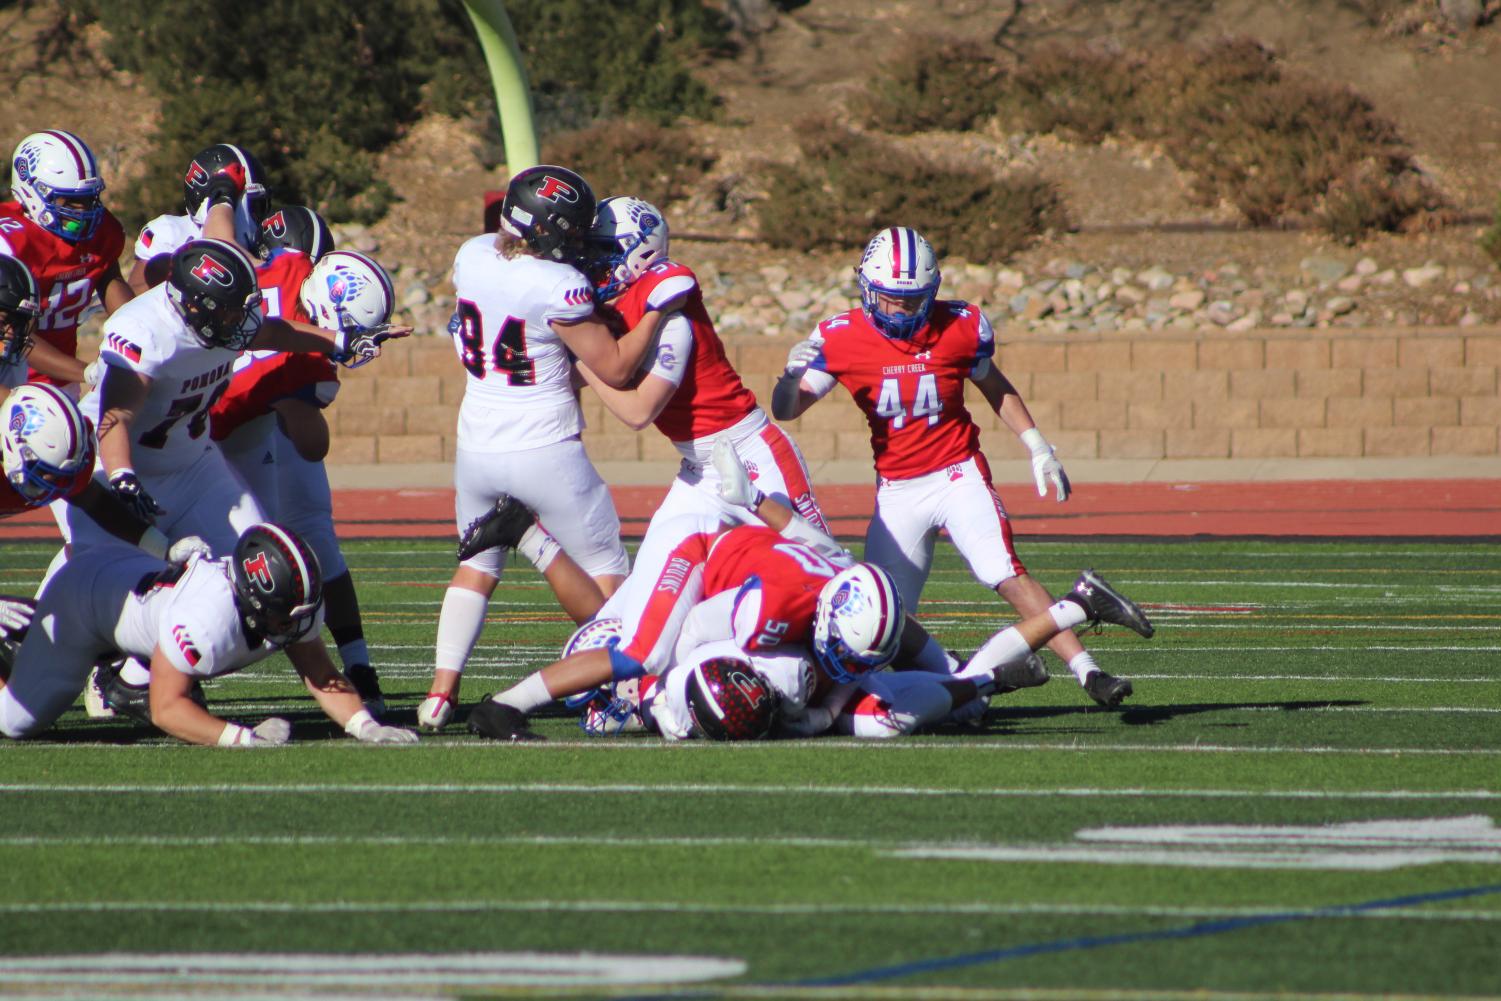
1033	439
233	735
154	541
357	721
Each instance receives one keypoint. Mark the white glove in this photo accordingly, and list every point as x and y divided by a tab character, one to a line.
186	548
15	615
93	372
1045	465
268	733
363	727
735	486
803	354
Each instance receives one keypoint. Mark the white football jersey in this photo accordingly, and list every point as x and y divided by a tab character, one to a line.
191	617
147	336
519	394
166	233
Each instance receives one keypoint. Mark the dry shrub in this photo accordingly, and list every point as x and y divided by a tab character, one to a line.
848	185
935	84
1080	92
633	158
1490	240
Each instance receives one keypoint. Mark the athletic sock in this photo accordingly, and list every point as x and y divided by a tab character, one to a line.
527	694
354	652
1067	614
539	547
1005	647
460	621
1083	665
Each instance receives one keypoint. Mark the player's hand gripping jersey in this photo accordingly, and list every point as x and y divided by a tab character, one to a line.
911	391
67	274
710	396
519	393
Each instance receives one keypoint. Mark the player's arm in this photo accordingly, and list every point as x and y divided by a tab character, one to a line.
644	398
175	713
795	391
1004	399
114	291
613	361
122	393
148	273
100	504
305	427
54	362
337	697
279	334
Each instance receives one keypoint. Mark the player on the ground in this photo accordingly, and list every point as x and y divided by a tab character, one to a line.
47	450
70	242
270	421
168	357
198	619
524	311
221	174
904	357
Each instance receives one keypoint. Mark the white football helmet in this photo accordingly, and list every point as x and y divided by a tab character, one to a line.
596	634
46	444
898	262
858	621
53	167
629	235
348	291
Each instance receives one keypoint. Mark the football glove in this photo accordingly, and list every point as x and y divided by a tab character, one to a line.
363	727
223	190
15	616
186	548
127	488
93	372
1045	465
735	486
435	711
803	354
272	732
354	346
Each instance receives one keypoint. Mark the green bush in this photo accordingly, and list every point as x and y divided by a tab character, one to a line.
632	157
848	185
317	91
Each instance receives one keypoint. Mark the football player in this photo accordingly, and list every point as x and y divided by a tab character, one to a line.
57	225
47	450
168	356
199	619
524	310
687	388
270	421
221	174
904	356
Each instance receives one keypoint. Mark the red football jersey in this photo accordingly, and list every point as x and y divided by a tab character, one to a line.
264	377
912	391
67	274
711	396
788	574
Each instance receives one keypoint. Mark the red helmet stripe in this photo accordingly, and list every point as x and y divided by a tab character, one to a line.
896	252
293	553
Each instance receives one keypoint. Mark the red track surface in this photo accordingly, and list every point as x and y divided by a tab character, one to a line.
1369	508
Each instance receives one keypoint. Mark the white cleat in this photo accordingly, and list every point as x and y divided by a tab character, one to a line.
93	699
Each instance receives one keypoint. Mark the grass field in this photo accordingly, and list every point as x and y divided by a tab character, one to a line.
1299	801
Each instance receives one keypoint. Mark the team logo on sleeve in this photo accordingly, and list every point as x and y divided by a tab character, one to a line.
578	296
556	190
185	645
122	347
209	270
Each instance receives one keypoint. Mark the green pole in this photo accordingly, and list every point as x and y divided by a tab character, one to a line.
513	97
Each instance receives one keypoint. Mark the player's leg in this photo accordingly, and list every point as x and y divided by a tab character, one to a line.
573	503
901	535
52	665
306	504
781	472
894	705
207	499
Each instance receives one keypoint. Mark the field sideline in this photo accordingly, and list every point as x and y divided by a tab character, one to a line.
1300	801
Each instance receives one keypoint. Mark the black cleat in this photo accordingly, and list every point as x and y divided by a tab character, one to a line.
503	525
1029	673
367	686
500	722
1106	689
119	697
1103	603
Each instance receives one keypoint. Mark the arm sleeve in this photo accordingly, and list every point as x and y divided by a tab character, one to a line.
984	349
668	360
571	300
